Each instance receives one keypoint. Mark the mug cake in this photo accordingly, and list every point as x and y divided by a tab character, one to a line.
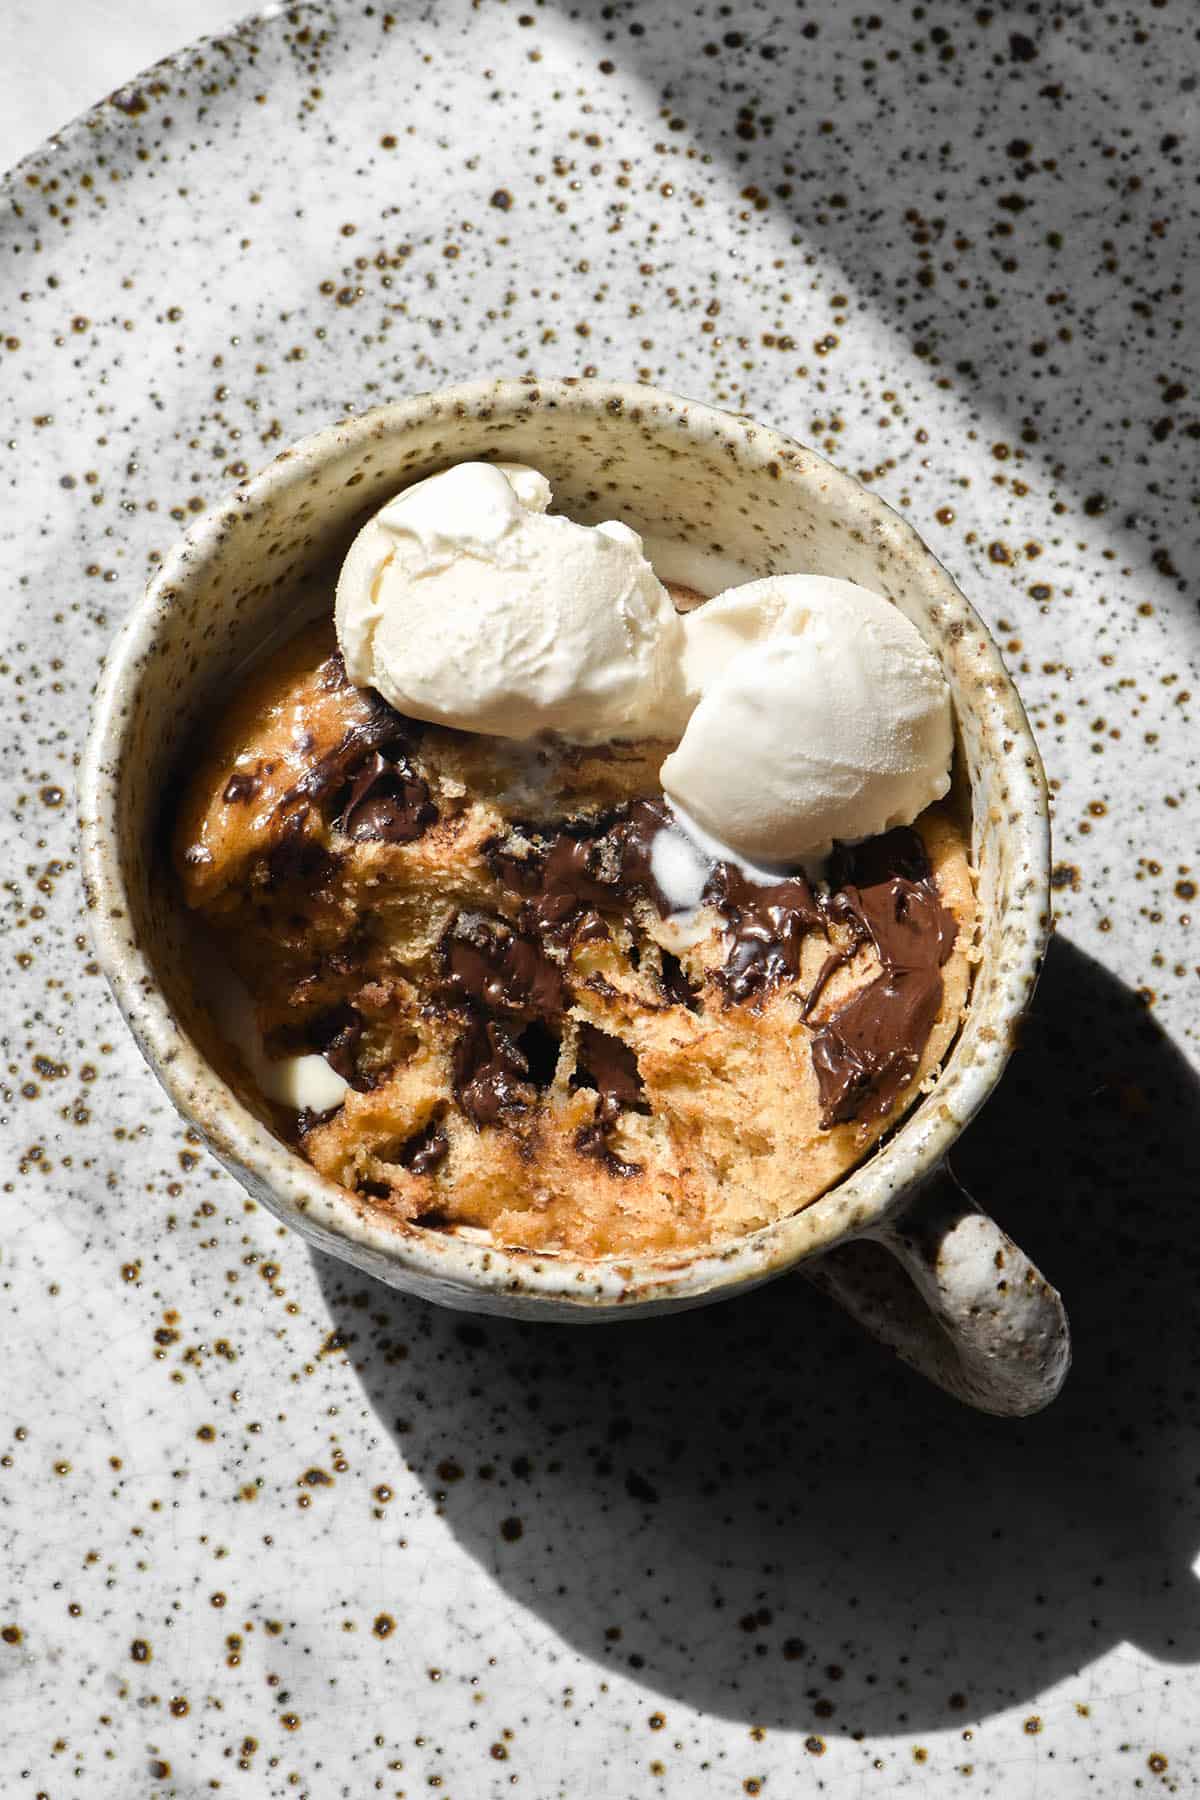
546	897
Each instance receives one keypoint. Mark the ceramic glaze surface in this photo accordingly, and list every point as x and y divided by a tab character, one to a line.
269	1523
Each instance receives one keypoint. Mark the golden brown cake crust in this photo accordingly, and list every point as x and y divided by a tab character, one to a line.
724	1134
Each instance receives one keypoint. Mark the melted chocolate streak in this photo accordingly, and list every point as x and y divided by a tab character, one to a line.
883	891
382	729
491	1074
488	964
869	1051
565	879
610	1066
423	1153
769	925
387	801
366	780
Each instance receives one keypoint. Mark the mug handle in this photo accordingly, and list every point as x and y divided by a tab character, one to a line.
955	1298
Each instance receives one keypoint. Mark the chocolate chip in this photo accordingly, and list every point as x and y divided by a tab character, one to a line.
767	930
676	984
242	785
869	1051
374	1190
592	1140
383	728
491	1077
488	964
609	1065
386	802
571	879
296	856
425	1150
577	873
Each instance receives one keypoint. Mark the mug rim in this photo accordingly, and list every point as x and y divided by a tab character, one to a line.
455	1268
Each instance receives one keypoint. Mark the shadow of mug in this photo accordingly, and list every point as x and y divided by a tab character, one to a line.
751	1508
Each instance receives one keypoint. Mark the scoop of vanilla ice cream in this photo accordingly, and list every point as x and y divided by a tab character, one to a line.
464	602
820	714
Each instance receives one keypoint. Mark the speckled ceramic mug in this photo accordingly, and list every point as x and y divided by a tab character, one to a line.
896	1241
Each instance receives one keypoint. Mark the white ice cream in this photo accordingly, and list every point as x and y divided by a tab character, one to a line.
302	1082
465	603
806	709
820	715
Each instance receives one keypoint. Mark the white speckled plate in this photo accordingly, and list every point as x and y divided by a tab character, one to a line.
272	1528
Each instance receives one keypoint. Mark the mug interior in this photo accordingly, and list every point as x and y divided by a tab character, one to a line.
259	563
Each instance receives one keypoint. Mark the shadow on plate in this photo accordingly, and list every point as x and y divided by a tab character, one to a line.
752	1509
